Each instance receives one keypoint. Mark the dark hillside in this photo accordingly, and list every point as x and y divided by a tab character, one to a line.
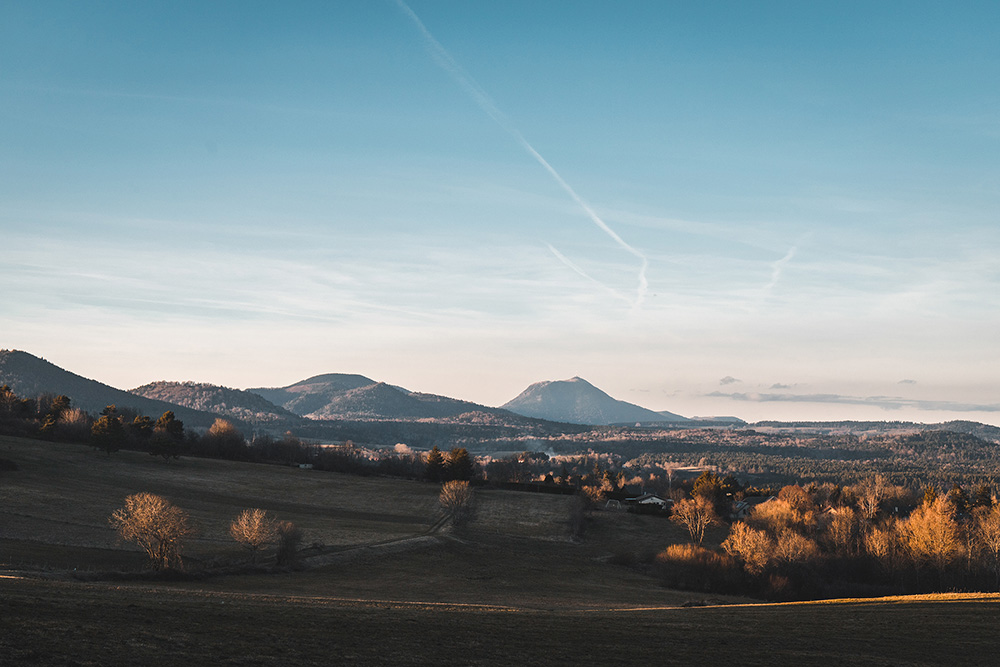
31	376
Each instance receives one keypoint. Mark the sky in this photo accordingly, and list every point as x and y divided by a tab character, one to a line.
774	210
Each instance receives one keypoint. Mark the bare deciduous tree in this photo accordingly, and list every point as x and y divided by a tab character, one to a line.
456	499
842	531
154	524
752	545
932	534
254	529
794	548
775	516
988	536
870	496
671	469
696	514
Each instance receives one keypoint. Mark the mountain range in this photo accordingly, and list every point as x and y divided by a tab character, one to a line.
341	396
333	396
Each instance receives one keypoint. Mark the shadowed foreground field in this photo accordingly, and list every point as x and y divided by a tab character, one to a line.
389	588
47	622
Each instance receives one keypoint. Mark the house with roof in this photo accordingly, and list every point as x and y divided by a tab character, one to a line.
649	502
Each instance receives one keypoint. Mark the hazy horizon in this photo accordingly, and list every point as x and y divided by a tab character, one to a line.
769	210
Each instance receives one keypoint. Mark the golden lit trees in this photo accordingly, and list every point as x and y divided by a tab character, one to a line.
790	547
254	529
156	525
932	535
696	515
751	545
775	516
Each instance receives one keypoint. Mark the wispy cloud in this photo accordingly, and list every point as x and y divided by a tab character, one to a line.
778	267
884	402
729	379
444	59
575	267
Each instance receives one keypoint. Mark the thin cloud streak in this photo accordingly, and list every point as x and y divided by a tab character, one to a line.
486	103
575	267
884	402
778	267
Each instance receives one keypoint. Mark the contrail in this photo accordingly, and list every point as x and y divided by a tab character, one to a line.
571	264
486	103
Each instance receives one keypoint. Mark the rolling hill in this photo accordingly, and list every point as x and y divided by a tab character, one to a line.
578	402
235	403
341	396
31	376
308	396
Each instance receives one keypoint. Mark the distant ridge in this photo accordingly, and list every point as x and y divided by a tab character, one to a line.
344	396
310	395
30	376
236	403
576	401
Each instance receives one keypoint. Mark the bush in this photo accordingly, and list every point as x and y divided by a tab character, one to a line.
254	529
289	538
691	567
154	524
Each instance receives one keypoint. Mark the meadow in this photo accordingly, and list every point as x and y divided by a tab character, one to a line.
380	583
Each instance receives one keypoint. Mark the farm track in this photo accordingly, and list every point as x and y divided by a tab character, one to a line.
396	545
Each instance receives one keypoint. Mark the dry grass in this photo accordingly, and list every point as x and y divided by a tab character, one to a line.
63	623
64	494
509	589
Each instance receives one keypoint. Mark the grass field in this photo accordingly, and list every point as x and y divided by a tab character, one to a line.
509	589
48	622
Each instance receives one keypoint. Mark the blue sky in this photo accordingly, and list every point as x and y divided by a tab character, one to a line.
770	209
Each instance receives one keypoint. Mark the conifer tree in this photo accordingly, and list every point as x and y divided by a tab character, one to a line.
435	468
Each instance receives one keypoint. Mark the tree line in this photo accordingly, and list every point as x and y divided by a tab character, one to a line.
827	540
115	429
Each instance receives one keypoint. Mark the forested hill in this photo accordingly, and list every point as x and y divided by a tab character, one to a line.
236	403
31	376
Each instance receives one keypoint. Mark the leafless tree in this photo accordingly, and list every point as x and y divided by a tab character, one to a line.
842	531
775	516
671	469
752	545
932	534
456	499
988	536
254	529
156	525
791	547
696	514
870	496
